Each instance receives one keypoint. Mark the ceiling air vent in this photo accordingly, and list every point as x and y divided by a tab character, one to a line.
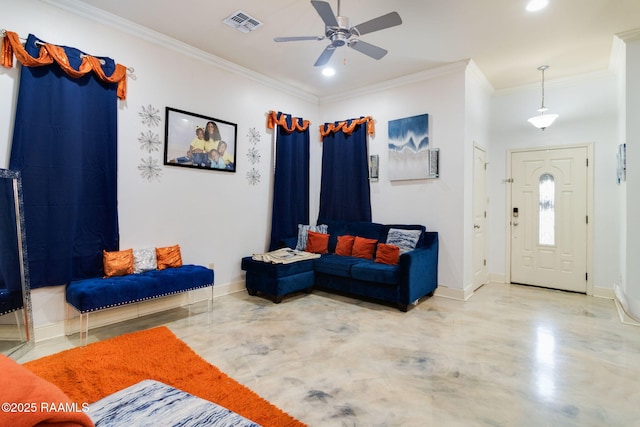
242	22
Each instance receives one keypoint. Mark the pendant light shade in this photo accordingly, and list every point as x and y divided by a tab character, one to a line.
543	120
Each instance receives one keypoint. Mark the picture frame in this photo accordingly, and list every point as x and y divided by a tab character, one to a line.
409	144
374	167
190	141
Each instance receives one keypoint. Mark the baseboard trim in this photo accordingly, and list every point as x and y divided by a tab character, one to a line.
607	293
624	317
456	294
131	311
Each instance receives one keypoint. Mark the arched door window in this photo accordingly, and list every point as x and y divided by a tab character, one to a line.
547	211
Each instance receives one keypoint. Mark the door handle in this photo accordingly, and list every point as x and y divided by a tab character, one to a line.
515	224
476	226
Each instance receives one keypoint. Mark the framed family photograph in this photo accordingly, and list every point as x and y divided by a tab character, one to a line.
196	141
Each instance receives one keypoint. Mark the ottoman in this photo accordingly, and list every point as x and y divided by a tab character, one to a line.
274	281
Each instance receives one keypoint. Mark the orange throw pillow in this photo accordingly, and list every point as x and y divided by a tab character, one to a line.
318	243
117	263
169	257
363	248
344	246
387	254
38	402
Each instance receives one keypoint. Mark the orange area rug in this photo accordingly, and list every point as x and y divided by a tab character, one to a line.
87	374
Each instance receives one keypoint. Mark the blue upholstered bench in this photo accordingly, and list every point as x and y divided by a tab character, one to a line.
90	295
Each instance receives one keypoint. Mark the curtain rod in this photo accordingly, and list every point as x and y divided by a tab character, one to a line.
3	32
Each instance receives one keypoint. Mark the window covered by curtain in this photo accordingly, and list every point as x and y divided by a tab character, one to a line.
65	145
344	187
291	177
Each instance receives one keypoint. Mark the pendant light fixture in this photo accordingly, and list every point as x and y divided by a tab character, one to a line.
543	120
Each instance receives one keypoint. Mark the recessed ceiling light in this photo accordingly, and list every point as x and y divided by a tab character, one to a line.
535	5
328	71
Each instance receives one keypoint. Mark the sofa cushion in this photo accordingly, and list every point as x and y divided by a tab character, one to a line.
344	246
335	264
169	257
317	243
406	240
363	248
369	230
370	271
303	234
117	263
385	232
144	260
387	254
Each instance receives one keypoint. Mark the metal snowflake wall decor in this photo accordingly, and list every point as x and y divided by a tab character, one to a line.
253	154
150	169
149	141
253	135
150	116
253	176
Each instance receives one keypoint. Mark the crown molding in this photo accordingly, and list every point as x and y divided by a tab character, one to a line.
432	73
629	36
92	13
475	72
559	82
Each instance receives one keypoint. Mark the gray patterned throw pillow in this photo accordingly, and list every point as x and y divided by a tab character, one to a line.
303	234
406	240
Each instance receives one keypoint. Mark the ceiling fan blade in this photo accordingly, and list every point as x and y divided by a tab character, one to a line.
324	10
380	23
296	39
368	49
325	56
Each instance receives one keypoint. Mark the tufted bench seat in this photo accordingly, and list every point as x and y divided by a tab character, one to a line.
90	295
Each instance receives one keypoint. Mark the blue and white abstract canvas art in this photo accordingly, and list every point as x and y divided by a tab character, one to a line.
409	148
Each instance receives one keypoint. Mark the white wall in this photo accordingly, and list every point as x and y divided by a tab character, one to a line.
184	204
477	132
214	216
588	110
629	292
438	203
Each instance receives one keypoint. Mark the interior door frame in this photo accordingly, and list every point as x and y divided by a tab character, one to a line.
486	277
590	183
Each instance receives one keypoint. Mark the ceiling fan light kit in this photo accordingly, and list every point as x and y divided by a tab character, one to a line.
339	31
543	120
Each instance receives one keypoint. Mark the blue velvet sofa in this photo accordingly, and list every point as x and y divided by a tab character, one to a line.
415	276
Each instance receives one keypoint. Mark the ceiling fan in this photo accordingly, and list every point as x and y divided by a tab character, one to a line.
339	31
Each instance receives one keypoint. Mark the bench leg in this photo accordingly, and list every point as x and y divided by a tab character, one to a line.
210	301
84	328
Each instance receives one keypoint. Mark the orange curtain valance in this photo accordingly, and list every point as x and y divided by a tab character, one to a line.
273	121
346	127
48	53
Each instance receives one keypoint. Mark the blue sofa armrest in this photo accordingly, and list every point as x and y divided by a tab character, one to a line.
418	270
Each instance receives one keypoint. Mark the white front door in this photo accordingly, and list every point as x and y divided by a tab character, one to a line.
549	218
479	251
